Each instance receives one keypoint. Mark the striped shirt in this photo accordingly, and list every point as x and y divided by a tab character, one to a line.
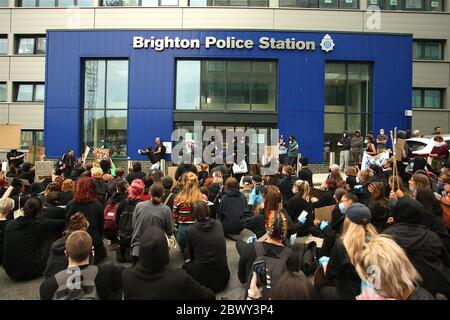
182	213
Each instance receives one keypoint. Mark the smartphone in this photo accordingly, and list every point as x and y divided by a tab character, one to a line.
261	272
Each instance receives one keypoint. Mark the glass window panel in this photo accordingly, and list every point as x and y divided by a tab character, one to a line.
4	3
25	92
432	99
117	84
188	85
413	5
28	3
417	98
46	3
39	138
334	86
263	85
417	50
112	3
258	3
150	3
213	85
2	92
328	3
238	85
85	3
94	84
237	2
116	132
65	3
39	92
198	3
26	139
3	45
434	5
130	3
334	123
26	46
169	2
288	3
219	2
93	128
40	49
348	4
433	51
392	5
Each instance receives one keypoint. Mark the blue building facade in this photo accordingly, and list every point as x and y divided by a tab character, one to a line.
300	95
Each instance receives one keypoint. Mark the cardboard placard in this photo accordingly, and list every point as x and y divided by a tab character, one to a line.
100	153
85	154
35	154
324	213
171	172
317	193
399	147
43	169
10	136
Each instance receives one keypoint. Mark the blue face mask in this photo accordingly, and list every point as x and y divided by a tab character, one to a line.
342	207
440	185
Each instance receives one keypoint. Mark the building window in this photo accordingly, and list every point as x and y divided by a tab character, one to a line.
409	5
333	4
347	100
105	105
31	138
428	50
227	3
3	44
30	44
29	92
4	3
226	85
3	91
142	3
428	98
53	3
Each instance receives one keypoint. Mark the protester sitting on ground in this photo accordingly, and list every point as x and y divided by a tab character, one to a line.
418	181
51	187
119	194
67	189
423	247
305	173
338	217
156	175
272	246
445	199
169	194
286	183
12	172
352	173
326	199
19	195
206	251
85	200
57	260
101	187
246	188
150	279
6	206
361	190
183	168
396	277
27	242
231	208
339	267
182	205
202	174
97	282
151	213
27	172
300	203
136	173
124	220
379	206
52	210
336	176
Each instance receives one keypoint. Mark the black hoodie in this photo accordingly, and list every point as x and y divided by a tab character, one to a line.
205	242
423	246
23	255
149	279
231	208
57	260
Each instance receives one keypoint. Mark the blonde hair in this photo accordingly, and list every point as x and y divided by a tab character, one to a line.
96	172
68	185
365	174
397	277
421	181
6	205
354	236
217	177
303	189
190	192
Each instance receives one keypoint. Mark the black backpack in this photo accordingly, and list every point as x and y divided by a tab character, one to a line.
307	255
163	151
125	229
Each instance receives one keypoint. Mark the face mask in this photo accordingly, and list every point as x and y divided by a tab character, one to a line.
412	189
438	144
345	135
366	141
342	207
381	132
357	179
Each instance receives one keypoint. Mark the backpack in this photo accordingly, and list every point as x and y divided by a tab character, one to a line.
110	216
307	255
125	228
163	151
76	284
276	266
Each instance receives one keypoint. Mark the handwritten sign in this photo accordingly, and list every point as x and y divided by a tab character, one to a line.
100	154
44	168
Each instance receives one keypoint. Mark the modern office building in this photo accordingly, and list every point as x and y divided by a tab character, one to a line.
115	71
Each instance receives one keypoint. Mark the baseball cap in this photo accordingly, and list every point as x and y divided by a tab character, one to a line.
358	213
247	180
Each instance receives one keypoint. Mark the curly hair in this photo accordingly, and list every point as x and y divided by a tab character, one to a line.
77	222
85	191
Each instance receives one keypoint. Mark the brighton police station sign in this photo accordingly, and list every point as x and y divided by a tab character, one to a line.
264	43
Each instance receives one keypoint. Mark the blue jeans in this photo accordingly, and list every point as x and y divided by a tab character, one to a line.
182	236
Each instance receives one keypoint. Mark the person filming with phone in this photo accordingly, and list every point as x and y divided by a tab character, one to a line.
267	257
